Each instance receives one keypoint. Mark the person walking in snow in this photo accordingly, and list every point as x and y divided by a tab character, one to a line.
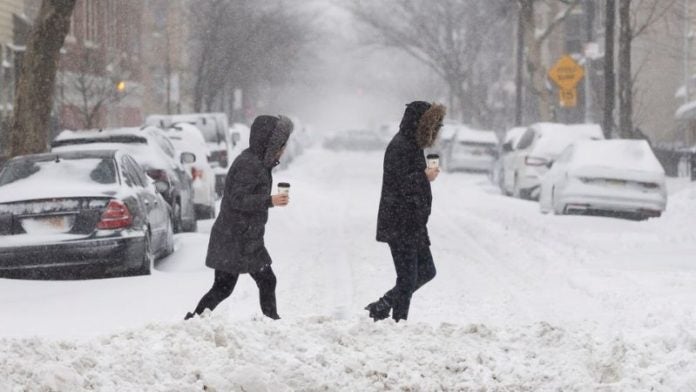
404	207
236	243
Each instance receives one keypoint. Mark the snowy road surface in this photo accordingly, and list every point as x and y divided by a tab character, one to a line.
521	302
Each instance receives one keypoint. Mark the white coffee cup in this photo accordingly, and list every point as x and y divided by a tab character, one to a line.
433	161
283	188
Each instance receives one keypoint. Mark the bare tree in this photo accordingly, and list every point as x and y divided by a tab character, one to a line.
36	87
98	82
534	39
448	36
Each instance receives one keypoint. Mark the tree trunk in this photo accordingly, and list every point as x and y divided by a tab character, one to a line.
34	100
625	93
519	77
609	76
535	66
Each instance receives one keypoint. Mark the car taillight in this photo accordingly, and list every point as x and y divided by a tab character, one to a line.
536	161
158	175
196	173
116	216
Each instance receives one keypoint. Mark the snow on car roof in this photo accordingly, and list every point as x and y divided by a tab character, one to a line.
45	176
149	157
635	155
476	135
104	133
553	138
188	138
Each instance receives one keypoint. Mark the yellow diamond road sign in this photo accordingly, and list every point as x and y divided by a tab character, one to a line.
566	73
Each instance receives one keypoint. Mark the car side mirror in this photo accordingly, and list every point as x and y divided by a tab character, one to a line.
161	186
507	147
550	164
187	157
236	138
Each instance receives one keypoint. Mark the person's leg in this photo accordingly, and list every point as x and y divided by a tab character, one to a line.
426	267
222	288
406	265
266	282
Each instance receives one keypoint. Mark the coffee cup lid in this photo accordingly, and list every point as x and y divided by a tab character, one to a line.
433	156
284	184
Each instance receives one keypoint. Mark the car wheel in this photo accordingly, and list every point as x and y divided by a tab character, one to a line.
170	239
176	218
148	257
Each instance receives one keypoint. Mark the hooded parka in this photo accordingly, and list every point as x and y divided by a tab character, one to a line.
406	198
236	241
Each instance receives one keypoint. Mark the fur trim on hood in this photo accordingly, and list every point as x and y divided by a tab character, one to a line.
429	125
279	137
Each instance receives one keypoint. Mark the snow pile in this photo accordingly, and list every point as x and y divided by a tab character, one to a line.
465	134
323	354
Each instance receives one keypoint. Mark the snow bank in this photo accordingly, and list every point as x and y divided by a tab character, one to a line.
474	135
323	354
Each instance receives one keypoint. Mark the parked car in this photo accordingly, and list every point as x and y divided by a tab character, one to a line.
505	154
238	134
615	176
80	211
472	150
443	143
536	150
356	140
214	127
186	138
154	152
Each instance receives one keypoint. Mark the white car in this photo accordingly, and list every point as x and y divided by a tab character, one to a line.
188	138
505	155
239	140
617	176
472	149
537	148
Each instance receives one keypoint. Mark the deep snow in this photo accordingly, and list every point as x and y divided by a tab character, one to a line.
522	301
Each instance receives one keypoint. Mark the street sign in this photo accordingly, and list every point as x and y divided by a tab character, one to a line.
566	73
568	97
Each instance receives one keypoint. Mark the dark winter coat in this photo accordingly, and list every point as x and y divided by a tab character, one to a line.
406	199
236	241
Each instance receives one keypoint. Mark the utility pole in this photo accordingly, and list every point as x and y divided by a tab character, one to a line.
625	83
519	118
589	12
609	75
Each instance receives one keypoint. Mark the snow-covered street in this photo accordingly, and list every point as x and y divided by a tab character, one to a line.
521	302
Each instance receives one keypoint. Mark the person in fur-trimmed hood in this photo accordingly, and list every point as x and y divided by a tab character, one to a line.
404	207
236	243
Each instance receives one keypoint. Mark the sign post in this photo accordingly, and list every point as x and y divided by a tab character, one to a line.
567	73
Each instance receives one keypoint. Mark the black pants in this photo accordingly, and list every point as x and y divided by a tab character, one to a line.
414	268
224	285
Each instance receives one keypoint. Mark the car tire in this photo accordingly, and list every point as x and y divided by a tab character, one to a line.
148	261
176	218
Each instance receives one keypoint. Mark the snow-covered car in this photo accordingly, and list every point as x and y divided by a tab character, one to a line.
186	138
472	150
154	152
80	211
536	150
443	142
617	176
505	153
355	140
214	127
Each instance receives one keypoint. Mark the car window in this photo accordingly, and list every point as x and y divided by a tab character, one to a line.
88	170
129	177
526	140
138	171
164	144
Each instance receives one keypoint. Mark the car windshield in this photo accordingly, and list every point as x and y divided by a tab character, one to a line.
50	169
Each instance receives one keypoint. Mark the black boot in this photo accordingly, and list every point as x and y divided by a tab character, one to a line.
189	315
379	310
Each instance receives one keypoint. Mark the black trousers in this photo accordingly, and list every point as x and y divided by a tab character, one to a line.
414	268
224	285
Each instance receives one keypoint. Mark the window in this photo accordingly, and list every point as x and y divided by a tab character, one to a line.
526	140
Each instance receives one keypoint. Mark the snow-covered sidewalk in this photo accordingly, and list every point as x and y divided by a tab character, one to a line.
521	302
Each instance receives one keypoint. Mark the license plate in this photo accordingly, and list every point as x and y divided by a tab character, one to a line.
48	225
616	182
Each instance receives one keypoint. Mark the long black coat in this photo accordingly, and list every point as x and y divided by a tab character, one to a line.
406	198
236	241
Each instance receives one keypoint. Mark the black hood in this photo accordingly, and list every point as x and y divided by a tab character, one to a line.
268	136
409	123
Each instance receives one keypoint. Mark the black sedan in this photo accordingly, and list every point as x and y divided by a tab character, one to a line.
69	213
